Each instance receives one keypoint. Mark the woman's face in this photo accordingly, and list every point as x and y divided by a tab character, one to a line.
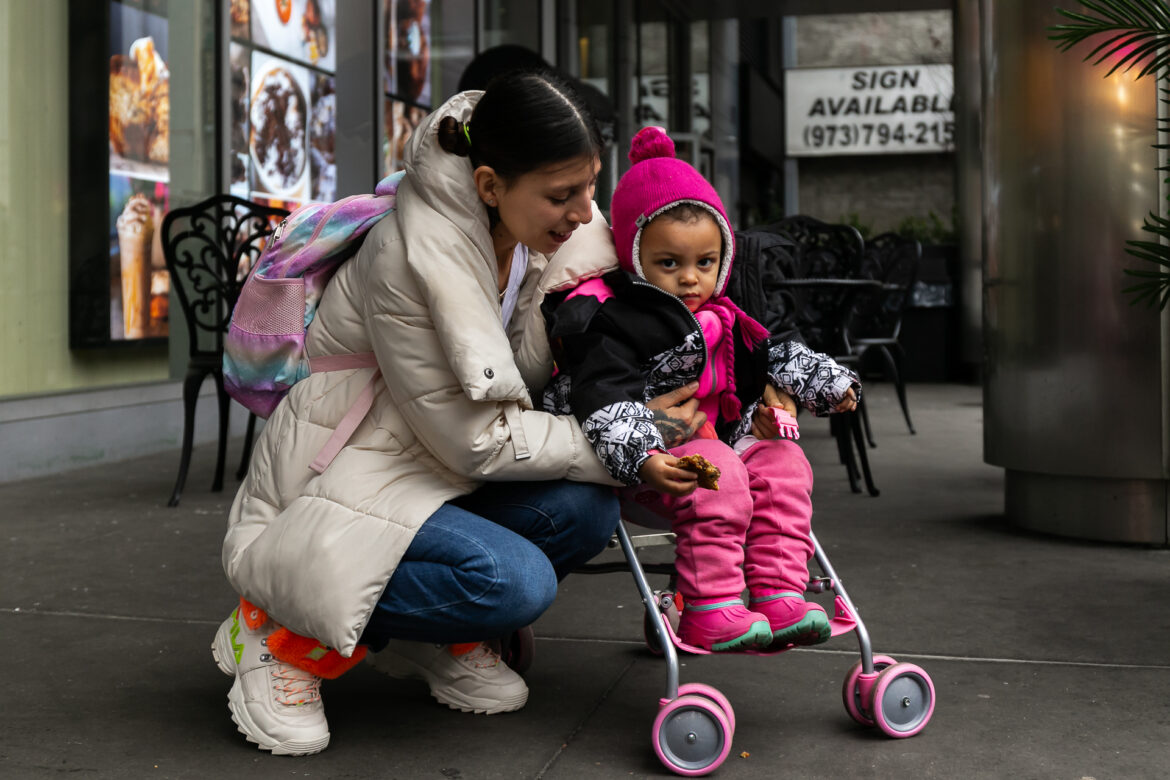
542	208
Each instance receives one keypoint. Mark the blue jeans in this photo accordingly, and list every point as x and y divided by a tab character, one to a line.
488	563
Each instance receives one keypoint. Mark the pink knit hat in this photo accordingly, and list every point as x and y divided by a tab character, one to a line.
656	181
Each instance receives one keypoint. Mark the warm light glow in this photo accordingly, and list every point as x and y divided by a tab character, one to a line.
1122	97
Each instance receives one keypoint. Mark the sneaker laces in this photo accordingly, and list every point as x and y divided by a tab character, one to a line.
294	686
481	657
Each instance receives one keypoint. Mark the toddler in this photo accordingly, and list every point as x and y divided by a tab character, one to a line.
662	322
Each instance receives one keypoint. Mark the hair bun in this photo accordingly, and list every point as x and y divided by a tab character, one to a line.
650	142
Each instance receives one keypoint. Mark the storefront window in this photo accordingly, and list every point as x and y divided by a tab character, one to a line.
653	64
427	44
701	80
510	21
283	102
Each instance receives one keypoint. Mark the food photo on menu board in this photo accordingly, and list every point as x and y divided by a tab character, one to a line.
408	50
401	122
240	67
139	151
298	29
322	131
240	12
139	282
140	108
278	128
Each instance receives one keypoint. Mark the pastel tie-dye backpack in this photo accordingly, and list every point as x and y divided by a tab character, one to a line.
264	351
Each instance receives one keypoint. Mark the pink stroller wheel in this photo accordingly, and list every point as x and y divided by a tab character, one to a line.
903	700
691	736
714	694
855	703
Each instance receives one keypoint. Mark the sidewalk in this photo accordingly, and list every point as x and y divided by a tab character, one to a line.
1051	658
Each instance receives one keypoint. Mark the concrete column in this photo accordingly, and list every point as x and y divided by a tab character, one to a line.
1074	389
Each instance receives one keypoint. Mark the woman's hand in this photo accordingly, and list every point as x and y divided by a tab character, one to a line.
677	415
848	403
661	472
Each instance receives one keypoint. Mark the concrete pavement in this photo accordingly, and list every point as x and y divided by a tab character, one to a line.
1050	657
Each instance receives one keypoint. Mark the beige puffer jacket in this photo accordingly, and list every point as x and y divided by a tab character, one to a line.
453	408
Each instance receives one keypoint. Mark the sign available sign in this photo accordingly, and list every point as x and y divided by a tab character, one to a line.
876	110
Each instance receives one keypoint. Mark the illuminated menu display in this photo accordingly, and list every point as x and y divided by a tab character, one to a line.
283	103
139	135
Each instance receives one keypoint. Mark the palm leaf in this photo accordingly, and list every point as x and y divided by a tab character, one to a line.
1131	34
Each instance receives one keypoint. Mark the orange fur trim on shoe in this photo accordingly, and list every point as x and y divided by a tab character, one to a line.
253	616
312	656
462	648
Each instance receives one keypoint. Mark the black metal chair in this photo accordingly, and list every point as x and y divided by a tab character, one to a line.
811	278
876	324
209	248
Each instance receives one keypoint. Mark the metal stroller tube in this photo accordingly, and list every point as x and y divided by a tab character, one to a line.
839	589
668	649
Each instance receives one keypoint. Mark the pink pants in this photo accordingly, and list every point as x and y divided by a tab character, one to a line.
753	530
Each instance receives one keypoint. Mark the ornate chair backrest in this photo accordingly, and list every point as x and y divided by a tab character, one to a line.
809	249
209	248
892	260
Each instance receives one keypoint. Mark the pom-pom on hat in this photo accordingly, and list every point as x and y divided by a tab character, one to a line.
656	182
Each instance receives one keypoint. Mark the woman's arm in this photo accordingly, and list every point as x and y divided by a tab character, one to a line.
606	396
450	372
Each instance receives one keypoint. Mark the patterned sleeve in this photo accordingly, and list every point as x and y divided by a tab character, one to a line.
605	388
815	380
622	435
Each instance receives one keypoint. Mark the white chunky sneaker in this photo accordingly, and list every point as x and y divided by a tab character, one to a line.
475	681
275	705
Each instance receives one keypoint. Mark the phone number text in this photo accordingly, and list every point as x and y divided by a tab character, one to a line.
879	134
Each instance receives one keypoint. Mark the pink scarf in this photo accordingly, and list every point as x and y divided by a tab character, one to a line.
752	334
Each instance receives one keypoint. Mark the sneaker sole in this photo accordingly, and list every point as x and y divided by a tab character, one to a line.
480	706
246	726
405	669
221	651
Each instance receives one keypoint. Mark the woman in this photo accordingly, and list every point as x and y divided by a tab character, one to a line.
400	538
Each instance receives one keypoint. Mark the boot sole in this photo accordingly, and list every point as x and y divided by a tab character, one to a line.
246	726
812	629
759	635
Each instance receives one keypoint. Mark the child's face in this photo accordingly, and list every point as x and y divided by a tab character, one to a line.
683	257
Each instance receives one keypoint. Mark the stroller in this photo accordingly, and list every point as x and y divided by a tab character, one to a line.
693	730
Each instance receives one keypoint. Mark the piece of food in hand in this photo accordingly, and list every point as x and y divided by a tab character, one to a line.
708	474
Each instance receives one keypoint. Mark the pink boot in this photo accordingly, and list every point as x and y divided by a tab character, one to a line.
722	624
793	620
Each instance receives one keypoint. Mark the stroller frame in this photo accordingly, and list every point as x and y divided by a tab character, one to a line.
693	730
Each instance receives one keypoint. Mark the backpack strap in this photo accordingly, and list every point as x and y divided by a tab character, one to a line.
357	412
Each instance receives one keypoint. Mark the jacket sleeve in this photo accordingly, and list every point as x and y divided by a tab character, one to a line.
815	380
607	390
484	431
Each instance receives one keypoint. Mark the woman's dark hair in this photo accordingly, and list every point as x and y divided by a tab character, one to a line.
524	121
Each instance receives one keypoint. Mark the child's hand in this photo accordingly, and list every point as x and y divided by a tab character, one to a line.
764	423
661	472
848	403
774	397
